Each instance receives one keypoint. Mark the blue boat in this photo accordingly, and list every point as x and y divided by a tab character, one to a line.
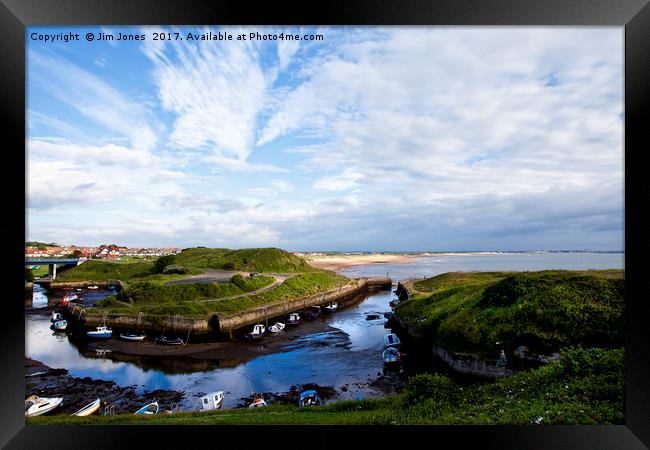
151	408
308	398
101	332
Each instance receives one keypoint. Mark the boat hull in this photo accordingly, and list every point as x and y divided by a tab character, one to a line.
169	341
89	409
94	335
136	338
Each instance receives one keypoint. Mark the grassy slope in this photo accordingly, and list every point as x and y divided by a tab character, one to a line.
170	300
544	310
272	260
585	387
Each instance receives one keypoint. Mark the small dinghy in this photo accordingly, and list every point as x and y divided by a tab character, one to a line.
89	409
391	340
35	406
93	287
279	326
309	398
167	340
151	408
332	307
56	316
212	401
257	402
60	325
133	336
258	332
391	355
294	319
101	332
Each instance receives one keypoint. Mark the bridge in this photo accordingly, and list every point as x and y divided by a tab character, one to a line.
51	265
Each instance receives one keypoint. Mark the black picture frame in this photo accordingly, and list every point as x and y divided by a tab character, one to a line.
634	15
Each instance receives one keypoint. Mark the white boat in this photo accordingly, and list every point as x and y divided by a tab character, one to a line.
56	316
93	287
331	307
294	319
132	337
258	331
257	402
35	406
60	325
212	401
151	408
391	340
89	409
391	355
279	326
102	332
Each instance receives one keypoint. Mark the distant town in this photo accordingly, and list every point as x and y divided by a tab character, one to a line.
105	251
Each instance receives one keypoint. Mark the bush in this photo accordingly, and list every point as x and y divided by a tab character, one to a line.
174	269
425	386
162	262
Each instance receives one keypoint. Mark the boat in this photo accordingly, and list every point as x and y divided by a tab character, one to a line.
101	332
391	340
60	325
212	401
391	355
132	336
70	296
151	408
56	316
78	289
279	326
258	331
313	312
294	319
35	406
93	287
257	402
309	398
169	340
89	409
332	307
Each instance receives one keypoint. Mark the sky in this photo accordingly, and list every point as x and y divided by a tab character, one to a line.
371	139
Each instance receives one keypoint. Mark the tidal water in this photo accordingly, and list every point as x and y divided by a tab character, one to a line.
349	353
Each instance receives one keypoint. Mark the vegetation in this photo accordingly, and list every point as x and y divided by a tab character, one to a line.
270	260
199	300
40	245
161	263
131	271
585	387
29	275
545	311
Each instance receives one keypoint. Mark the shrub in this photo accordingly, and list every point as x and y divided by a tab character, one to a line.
162	262
425	386
174	269
238	280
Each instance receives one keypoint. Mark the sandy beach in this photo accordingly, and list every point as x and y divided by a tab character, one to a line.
339	262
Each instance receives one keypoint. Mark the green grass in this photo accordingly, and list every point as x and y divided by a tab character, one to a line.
547	310
187	299
585	387
273	260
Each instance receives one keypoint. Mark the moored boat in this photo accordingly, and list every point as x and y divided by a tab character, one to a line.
212	401
93	287
332	307
391	355
257	402
89	409
309	398
60	325
101	332
167	340
277	327
137	337
258	331
294	319
151	408
35	406
391	340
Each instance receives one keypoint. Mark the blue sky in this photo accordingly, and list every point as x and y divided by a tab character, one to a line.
375	138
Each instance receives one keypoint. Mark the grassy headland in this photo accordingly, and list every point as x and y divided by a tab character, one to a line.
545	311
